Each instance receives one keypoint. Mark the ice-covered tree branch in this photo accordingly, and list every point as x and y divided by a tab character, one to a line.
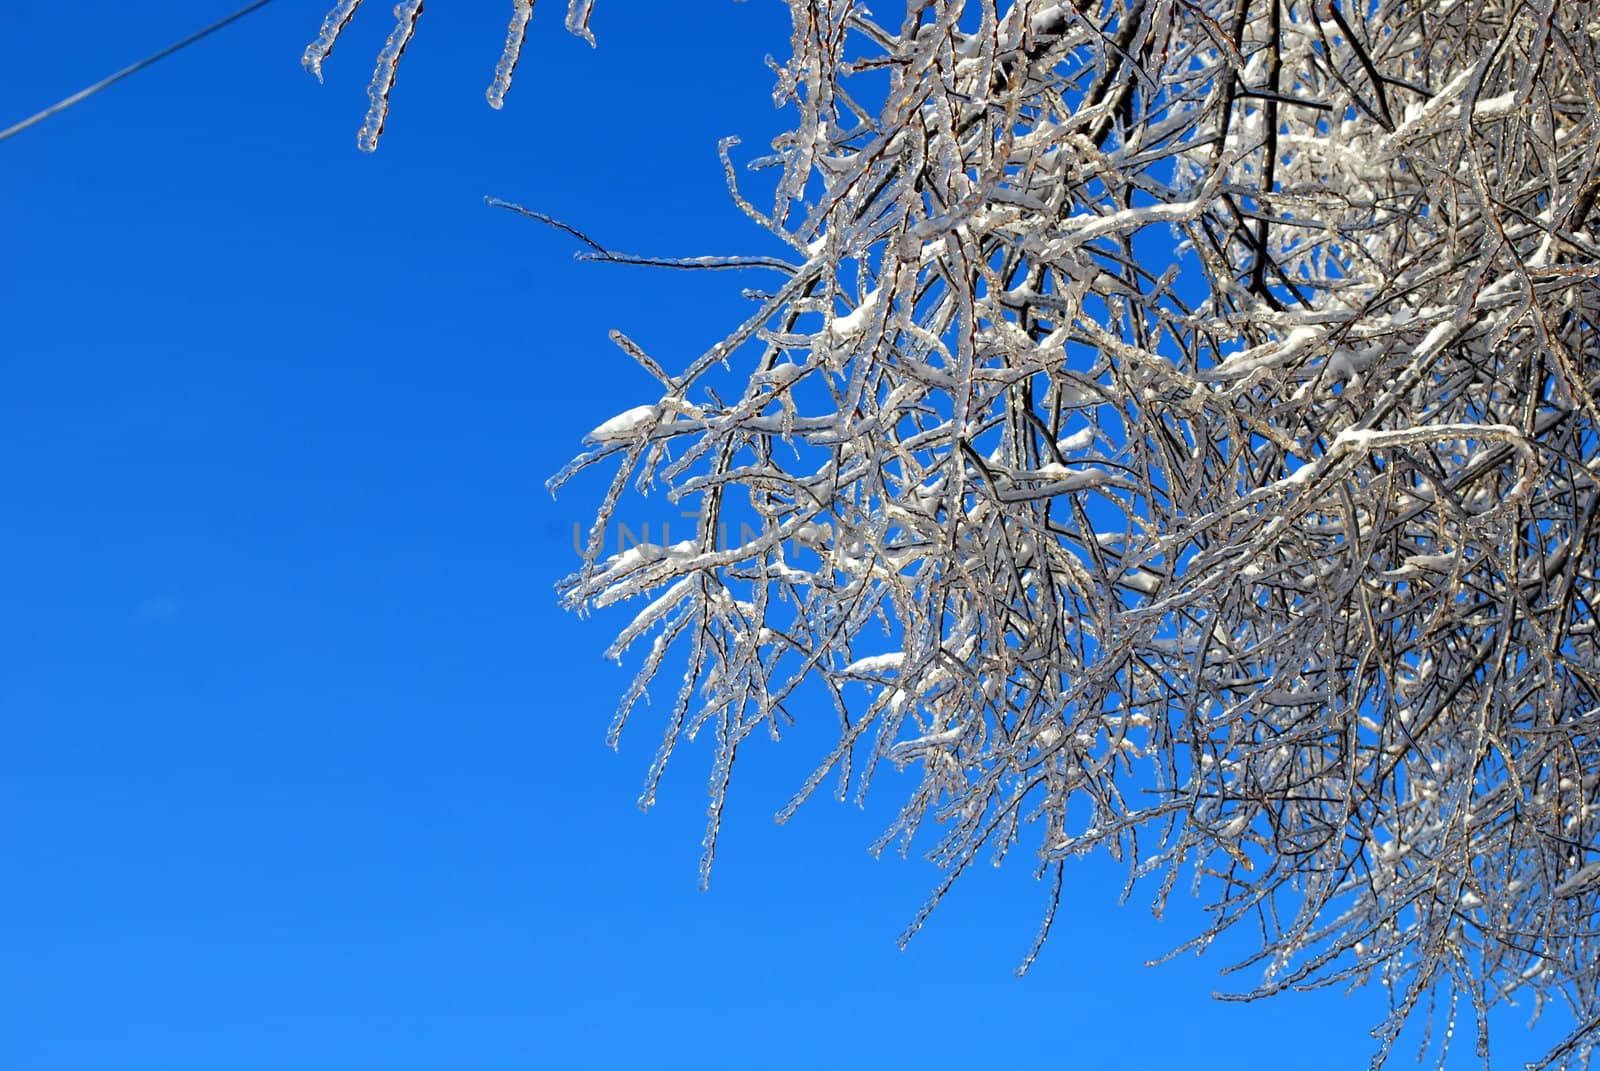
1267	561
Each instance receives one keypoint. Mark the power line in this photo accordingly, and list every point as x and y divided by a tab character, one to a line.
90	91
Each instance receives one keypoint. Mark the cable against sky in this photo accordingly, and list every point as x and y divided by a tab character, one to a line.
84	94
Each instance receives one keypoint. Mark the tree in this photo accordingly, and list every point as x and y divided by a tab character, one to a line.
1269	561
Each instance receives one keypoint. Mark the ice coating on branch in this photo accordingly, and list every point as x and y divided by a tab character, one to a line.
405	24
406	14
1214	559
522	11
578	19
332	25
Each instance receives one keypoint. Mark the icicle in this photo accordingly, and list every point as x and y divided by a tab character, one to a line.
405	14
332	26
578	19
521	13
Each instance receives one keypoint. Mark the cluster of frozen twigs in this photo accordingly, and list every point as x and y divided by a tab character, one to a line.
1266	565
406	15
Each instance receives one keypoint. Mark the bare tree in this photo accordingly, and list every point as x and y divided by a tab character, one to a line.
1268	562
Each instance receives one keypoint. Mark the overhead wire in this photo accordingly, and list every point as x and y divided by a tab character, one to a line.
89	91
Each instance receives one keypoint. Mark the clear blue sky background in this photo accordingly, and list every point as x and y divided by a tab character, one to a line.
302	767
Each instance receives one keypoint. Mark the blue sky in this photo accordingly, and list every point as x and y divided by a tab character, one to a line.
303	767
